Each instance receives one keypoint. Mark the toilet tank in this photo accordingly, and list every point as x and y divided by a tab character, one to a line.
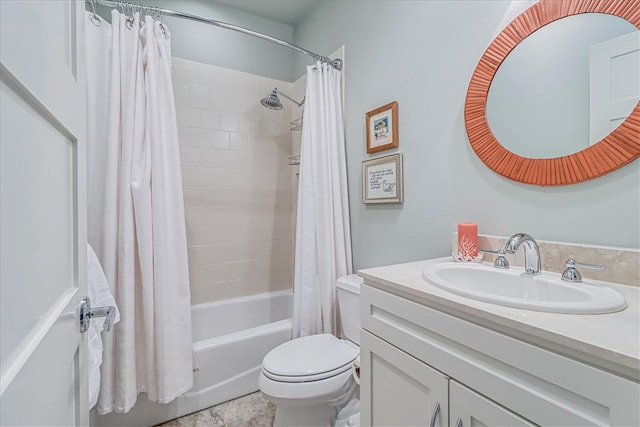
348	288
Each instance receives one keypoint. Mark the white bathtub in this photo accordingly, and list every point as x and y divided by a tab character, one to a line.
231	338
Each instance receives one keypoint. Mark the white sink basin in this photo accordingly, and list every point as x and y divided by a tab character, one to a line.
513	288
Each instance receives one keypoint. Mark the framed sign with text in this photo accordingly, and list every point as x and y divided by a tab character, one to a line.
382	179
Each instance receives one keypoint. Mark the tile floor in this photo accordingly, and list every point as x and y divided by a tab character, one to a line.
252	410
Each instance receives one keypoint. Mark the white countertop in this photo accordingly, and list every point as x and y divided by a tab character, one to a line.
607	341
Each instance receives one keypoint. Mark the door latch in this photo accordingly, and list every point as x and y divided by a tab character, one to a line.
87	313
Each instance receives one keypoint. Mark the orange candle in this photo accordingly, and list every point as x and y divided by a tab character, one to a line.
468	240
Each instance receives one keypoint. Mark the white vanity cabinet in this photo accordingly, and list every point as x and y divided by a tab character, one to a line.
410	393
416	354
470	409
400	389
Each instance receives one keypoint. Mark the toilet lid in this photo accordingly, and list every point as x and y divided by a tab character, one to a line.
316	356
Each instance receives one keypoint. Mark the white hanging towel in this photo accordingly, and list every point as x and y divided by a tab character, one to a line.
100	295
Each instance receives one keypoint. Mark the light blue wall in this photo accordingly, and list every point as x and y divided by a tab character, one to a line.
422	54
224	48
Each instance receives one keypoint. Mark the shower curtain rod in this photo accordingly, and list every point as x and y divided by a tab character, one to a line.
335	63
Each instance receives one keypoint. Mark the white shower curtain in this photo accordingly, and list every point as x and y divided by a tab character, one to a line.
136	214
323	237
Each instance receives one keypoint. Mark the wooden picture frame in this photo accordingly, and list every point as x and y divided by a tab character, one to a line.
382	128
382	180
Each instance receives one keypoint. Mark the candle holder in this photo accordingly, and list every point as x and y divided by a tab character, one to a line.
467	249
465	257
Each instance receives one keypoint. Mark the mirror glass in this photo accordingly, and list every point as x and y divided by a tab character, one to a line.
566	86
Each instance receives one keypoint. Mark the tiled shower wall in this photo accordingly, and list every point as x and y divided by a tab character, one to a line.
238	187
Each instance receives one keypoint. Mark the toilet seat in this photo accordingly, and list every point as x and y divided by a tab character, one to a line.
311	358
305	393
306	378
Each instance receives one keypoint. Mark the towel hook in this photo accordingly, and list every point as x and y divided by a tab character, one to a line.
86	313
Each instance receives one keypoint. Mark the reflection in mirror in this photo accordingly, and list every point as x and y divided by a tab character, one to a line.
619	148
552	95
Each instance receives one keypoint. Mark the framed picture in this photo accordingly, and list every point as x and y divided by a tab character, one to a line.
382	179
382	128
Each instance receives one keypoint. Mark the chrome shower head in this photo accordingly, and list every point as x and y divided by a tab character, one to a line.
272	101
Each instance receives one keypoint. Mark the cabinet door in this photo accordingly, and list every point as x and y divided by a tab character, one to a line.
469	408
397	389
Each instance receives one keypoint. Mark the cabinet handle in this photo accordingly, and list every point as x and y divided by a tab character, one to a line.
436	410
459	422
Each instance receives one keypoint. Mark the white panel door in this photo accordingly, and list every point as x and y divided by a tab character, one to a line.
398	390
614	83
42	213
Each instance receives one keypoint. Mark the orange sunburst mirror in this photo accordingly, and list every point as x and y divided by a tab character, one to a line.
619	148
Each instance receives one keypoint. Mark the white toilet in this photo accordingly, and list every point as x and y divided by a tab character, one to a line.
308	378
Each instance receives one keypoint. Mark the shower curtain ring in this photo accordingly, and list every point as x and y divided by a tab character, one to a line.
95	19
144	11
129	12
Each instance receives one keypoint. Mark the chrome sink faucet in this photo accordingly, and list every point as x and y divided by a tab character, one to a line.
531	251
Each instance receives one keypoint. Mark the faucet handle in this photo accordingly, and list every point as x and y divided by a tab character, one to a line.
501	259
571	274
